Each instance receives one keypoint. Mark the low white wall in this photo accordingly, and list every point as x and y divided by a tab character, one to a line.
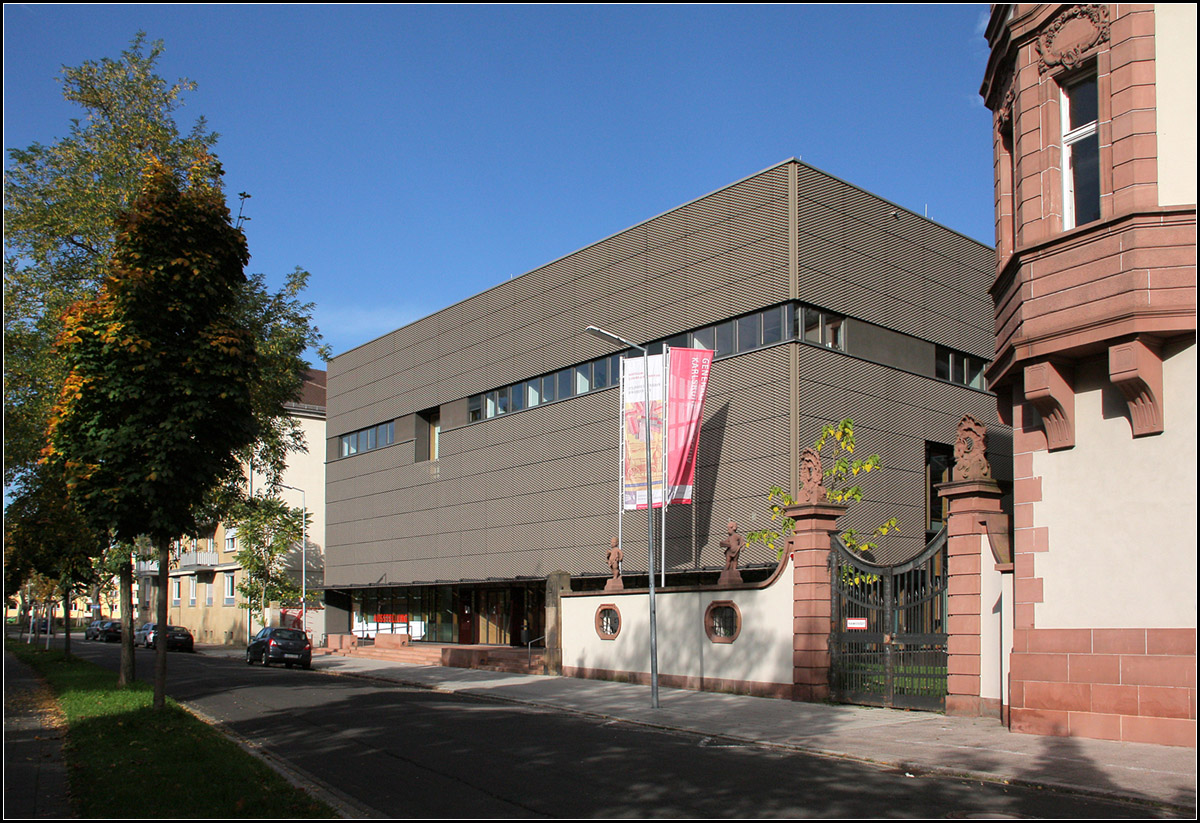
761	654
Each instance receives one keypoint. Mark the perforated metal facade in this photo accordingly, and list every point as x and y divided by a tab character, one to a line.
525	494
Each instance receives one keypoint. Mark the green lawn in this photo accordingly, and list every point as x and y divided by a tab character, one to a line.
116	741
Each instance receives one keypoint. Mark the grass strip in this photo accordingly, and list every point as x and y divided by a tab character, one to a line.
126	760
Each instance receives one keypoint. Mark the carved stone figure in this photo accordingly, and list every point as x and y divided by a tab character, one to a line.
615	558
970	451
812	476
733	544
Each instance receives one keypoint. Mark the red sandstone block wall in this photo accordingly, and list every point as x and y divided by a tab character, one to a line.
1137	685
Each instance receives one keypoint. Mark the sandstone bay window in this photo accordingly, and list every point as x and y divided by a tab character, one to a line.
1080	151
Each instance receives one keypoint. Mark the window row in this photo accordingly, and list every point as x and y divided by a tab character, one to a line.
746	333
229	591
964	369
364	440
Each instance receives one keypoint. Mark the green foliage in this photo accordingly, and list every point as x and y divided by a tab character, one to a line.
267	532
61	205
157	398
840	478
44	533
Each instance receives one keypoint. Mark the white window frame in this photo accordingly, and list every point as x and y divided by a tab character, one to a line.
1070	137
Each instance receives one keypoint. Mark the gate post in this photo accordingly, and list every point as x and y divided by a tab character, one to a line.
812	594
975	516
975	511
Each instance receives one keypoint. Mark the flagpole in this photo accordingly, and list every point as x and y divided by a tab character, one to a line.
601	333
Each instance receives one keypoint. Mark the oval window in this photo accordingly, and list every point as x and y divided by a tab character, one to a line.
722	621
608	622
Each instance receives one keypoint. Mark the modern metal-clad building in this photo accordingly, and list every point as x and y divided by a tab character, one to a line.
474	452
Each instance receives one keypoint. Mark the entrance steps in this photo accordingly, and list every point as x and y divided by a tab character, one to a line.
512	659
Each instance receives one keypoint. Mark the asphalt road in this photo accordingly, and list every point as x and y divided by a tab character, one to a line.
398	751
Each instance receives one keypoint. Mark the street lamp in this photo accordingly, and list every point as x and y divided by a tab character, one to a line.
607	335
303	558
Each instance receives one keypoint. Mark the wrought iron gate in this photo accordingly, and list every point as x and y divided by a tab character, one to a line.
888	639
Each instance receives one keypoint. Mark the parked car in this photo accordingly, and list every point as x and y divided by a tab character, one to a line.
177	637
109	630
276	644
92	632
139	637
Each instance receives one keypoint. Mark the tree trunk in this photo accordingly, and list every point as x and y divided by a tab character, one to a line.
127	673
66	595
160	629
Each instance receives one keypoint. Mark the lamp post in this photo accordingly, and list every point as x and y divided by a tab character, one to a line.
607	335
303	558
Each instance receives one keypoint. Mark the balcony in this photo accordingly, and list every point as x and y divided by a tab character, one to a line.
186	561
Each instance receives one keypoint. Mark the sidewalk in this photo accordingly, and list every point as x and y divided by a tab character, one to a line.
916	742
35	777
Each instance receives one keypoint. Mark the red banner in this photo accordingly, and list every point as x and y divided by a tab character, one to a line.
686	387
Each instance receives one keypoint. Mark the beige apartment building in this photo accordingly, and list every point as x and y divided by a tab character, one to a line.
205	573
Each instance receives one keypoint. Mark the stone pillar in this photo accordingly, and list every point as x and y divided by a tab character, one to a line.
809	546
974	505
556	584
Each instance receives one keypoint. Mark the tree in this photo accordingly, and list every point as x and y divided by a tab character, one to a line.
45	534
267	531
157	399
840	481
61	204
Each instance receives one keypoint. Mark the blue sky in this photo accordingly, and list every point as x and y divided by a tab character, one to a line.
412	156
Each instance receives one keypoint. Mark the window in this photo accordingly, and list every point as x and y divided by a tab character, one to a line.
475	407
428	435
724	340
175	592
208	595
229	589
368	439
600	373
956	367
566	381
823	329
583	378
749	332
608	622
722	621
1081	152
939	457
772	325
191	591
230	539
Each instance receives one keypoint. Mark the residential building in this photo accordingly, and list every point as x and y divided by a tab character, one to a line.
1095	364
205	574
474	453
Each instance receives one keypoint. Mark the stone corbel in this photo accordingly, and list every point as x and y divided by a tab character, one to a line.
999	538
1136	369
1048	386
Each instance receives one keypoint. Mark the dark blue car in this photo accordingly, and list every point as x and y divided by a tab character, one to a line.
275	644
